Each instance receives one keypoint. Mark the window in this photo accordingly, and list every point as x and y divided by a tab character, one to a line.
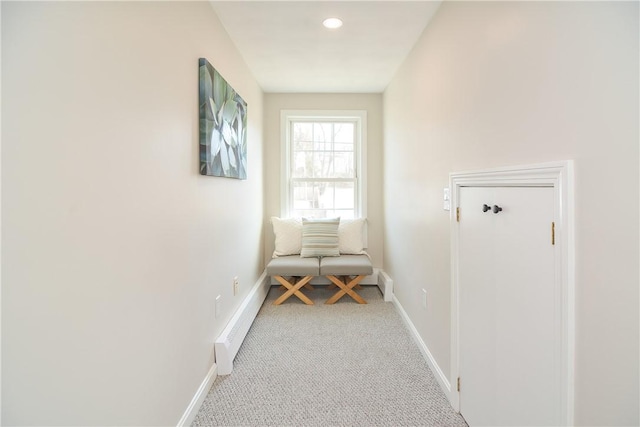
323	164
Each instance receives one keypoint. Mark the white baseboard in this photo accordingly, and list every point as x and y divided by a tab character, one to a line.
231	338
437	372
193	408
227	345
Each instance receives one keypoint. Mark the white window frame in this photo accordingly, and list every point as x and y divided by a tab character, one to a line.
359	117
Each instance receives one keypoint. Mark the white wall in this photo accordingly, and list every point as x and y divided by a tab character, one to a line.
505	83
114	247
372	104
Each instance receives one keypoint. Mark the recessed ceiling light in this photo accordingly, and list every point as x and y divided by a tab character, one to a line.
332	23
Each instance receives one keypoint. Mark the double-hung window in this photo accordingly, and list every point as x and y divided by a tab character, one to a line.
323	164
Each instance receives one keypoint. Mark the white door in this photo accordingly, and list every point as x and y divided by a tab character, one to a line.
509	308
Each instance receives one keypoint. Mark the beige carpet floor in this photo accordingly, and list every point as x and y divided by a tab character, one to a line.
328	365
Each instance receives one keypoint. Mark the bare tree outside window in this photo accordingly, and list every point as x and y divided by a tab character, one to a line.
323	168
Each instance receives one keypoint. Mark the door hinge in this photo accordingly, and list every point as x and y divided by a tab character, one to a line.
458	383
553	233
458	214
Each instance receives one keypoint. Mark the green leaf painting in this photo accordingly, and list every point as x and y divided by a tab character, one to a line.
223	126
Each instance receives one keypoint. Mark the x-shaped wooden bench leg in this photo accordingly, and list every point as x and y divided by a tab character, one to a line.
343	279
346	288
308	286
293	289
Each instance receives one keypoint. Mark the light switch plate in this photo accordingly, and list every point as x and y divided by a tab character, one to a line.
447	199
218	305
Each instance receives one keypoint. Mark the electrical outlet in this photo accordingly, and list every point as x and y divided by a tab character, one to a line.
236	284
424	298
218	305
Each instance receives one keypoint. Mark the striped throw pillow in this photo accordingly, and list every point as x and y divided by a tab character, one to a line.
320	237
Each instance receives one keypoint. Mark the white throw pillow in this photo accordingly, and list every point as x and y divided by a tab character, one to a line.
351	236
288	233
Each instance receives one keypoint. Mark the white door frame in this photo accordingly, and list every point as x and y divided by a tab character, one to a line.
558	175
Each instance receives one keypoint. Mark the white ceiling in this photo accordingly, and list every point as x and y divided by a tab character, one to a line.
288	50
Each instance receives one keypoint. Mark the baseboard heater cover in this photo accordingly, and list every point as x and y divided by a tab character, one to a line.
385	283
231	338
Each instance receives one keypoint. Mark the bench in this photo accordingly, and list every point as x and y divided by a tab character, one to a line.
345	271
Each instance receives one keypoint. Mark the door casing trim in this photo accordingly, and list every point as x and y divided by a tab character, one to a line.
558	175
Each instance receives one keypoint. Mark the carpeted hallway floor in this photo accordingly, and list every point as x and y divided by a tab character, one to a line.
328	365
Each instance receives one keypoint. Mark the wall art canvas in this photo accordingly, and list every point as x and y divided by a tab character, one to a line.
223	126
